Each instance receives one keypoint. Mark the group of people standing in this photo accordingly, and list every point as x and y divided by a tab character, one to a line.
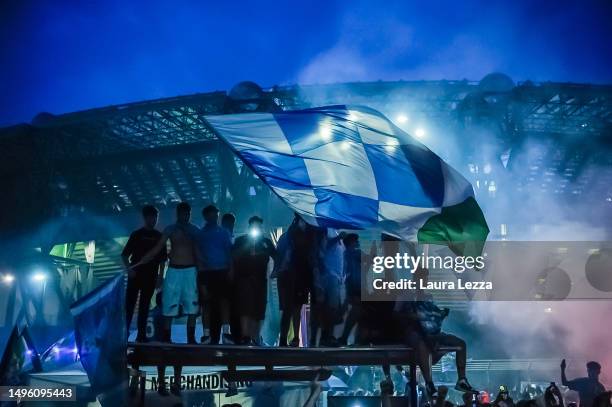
209	274
224	280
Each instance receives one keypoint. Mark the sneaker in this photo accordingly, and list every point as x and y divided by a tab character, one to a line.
232	390
228	339
464	386
251	342
206	340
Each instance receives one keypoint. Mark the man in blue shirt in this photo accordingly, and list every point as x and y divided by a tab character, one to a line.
214	269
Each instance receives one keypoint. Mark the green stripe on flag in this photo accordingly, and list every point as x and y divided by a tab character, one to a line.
461	227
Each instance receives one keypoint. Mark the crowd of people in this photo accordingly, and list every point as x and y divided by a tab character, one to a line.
222	279
591	393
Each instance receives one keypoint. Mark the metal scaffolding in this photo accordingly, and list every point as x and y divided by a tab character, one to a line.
98	167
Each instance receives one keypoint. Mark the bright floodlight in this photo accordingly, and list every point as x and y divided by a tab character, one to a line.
419	132
8	278
38	276
254	233
401	118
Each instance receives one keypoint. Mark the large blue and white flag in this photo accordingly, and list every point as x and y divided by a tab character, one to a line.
349	167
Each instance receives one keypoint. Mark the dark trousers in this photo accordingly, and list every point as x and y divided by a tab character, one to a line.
142	283
235	314
218	287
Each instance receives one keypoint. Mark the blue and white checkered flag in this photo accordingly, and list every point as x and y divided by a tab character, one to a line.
349	167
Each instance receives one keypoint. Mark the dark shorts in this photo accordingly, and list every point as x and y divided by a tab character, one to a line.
291	291
216	282
251	297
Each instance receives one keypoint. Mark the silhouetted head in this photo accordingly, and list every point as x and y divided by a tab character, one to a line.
150	214
593	370
255	226
503	392
351	241
211	214
228	221
183	212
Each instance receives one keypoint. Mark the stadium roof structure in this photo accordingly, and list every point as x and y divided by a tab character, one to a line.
83	176
108	162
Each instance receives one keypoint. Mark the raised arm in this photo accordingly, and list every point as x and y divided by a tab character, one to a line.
555	390
564	380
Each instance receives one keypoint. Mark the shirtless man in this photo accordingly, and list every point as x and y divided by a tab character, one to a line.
179	287
589	387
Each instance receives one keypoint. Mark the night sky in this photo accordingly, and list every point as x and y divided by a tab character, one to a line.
64	56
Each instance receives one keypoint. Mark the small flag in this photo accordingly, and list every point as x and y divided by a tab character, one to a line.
13	359
101	335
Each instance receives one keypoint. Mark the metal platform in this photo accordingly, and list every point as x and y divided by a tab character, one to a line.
153	354
157	353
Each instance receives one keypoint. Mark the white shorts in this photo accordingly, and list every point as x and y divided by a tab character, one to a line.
180	289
